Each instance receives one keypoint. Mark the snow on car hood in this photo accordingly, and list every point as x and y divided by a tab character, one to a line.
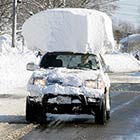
65	81
67	77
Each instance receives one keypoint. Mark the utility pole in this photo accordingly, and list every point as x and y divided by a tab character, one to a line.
14	23
64	3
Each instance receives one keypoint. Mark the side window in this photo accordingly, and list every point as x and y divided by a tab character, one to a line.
47	61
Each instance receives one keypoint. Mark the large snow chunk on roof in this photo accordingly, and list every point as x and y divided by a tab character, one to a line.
69	30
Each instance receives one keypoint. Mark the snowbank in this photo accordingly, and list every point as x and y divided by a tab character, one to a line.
13	73
76	30
122	62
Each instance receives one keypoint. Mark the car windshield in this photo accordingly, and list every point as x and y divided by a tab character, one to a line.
72	61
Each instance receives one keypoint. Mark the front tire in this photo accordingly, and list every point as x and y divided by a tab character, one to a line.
100	114
34	111
107	115
29	110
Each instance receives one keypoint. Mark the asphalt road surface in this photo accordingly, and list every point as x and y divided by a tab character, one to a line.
123	125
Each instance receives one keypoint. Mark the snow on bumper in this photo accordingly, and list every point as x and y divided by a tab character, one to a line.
58	99
64	90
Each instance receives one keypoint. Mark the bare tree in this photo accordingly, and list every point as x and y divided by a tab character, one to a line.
124	28
5	15
29	7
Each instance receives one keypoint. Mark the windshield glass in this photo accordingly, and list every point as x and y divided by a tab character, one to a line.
72	61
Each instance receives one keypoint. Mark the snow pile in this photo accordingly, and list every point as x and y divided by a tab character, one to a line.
122	62
13	72
75	30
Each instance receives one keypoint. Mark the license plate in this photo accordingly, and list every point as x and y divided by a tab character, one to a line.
63	100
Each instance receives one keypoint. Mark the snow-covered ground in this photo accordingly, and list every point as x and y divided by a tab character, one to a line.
122	62
13	62
13	73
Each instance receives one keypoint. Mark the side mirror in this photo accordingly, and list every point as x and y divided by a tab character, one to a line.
31	66
106	68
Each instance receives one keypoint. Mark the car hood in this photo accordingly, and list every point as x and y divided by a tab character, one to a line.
66	82
67	77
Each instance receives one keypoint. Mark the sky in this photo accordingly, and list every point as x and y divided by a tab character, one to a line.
129	11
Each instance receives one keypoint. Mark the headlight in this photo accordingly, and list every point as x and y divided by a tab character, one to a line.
96	84
91	100
39	81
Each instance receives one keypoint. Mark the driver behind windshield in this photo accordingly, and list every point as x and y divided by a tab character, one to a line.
85	62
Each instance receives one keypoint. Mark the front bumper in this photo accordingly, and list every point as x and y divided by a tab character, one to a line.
74	104
76	101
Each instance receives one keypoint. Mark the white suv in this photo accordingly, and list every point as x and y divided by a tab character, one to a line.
68	83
